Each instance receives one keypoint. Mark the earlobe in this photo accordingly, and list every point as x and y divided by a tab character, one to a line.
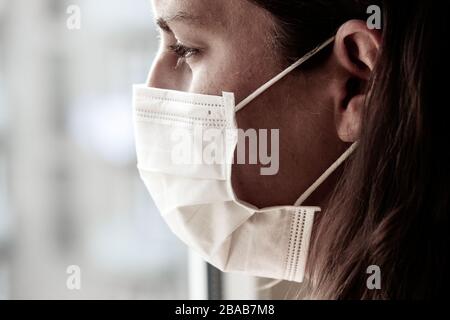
355	51
348	121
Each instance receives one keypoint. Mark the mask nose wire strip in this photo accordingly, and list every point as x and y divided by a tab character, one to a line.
280	76
326	174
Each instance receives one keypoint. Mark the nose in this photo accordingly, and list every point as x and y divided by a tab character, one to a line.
166	74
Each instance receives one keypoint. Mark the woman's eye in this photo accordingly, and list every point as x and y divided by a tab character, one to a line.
183	52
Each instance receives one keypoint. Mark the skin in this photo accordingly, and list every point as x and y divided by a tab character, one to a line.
317	116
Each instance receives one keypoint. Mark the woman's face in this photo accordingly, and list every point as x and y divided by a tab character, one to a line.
211	46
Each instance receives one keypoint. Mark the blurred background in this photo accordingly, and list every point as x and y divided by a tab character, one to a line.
69	188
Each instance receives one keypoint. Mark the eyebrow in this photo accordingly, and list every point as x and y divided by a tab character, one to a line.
164	22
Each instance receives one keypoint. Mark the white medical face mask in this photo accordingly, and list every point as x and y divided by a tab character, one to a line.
197	200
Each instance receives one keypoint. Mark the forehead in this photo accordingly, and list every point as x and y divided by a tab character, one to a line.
215	14
204	11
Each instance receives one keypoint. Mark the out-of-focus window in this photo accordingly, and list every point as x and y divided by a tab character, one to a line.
69	189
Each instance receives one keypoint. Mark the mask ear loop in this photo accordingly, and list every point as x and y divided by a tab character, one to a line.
310	190
269	285
266	86
281	75
326	174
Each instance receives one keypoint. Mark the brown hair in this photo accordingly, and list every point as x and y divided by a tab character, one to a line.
391	205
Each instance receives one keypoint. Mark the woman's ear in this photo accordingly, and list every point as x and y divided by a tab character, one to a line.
355	50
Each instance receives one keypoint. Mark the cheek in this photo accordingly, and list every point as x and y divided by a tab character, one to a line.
213	74
232	67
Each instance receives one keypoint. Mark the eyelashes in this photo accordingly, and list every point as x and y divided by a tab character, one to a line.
183	52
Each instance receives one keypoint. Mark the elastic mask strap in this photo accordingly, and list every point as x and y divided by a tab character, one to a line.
326	174
280	76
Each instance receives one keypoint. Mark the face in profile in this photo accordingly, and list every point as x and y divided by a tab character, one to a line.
214	46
